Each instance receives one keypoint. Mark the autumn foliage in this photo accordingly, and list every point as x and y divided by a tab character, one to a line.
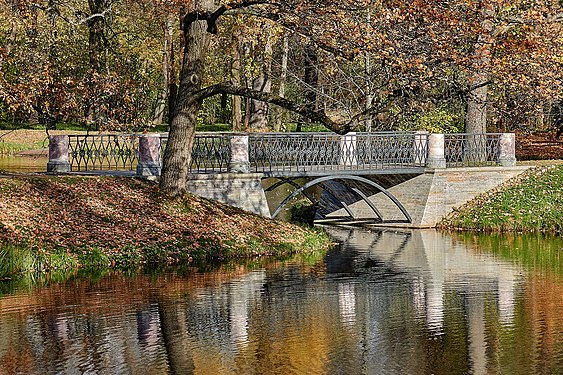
378	64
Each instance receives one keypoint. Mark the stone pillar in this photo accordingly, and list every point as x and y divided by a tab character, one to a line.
240	161
347	146
149	156
507	150
436	155
58	154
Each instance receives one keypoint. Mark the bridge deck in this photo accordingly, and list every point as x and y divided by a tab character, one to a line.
315	172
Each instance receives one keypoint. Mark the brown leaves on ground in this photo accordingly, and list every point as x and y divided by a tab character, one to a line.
111	214
539	146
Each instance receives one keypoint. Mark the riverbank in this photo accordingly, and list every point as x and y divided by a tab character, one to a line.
49	223
531	202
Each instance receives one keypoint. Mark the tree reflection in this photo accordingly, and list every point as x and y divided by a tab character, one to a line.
383	302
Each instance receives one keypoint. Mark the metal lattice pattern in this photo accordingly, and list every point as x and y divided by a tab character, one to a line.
210	154
293	152
465	150
391	150
328	151
103	152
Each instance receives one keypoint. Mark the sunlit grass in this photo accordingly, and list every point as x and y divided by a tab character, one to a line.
532	202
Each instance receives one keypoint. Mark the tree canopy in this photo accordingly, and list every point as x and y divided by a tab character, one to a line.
349	65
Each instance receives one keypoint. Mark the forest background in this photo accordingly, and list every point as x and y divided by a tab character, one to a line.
442	66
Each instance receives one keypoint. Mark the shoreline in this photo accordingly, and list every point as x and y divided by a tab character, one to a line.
68	222
529	203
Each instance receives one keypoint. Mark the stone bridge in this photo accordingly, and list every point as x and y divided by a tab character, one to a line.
409	179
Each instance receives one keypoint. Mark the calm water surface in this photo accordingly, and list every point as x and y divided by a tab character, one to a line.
23	163
383	302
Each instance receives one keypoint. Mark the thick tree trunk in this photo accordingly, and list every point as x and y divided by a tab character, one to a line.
259	110
177	156
476	108
96	27
311	78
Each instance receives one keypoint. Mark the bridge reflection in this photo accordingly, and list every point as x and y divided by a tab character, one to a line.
385	301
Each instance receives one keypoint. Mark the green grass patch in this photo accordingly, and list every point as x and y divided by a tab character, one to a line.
531	202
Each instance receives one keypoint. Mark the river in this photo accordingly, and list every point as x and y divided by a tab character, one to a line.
381	302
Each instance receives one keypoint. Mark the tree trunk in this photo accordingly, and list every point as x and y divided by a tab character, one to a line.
177	156
236	110
279	120
259	110
96	26
167	61
476	108
311	78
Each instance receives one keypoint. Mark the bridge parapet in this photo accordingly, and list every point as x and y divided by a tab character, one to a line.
289	153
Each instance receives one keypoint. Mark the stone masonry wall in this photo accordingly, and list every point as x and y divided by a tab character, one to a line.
431	196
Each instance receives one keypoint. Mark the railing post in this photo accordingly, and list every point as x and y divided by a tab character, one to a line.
347	146
436	154
149	156
58	154
240	161
507	150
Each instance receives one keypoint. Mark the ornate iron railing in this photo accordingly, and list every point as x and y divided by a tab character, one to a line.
96	152
103	151
465	150
384	150
304	152
211	153
292	152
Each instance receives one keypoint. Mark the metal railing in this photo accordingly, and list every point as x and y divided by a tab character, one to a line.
211	153
466	150
103	152
292	152
302	152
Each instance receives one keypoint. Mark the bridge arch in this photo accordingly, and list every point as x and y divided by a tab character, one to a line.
357	191
290	181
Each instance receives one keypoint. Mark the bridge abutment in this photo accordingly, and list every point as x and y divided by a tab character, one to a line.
431	196
242	190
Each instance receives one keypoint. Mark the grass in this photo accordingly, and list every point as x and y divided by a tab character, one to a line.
531	202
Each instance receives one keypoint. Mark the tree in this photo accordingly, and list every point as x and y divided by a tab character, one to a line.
411	46
198	25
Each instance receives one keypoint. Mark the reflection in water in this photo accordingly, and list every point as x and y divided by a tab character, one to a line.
383	302
23	163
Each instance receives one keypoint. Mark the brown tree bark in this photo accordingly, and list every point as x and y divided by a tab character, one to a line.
311	79
177	156
279	114
236	102
476	108
167	61
96	27
258	119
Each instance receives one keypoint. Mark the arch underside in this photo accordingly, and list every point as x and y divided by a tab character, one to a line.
340	192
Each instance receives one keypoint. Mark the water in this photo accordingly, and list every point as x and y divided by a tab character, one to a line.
383	302
23	163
